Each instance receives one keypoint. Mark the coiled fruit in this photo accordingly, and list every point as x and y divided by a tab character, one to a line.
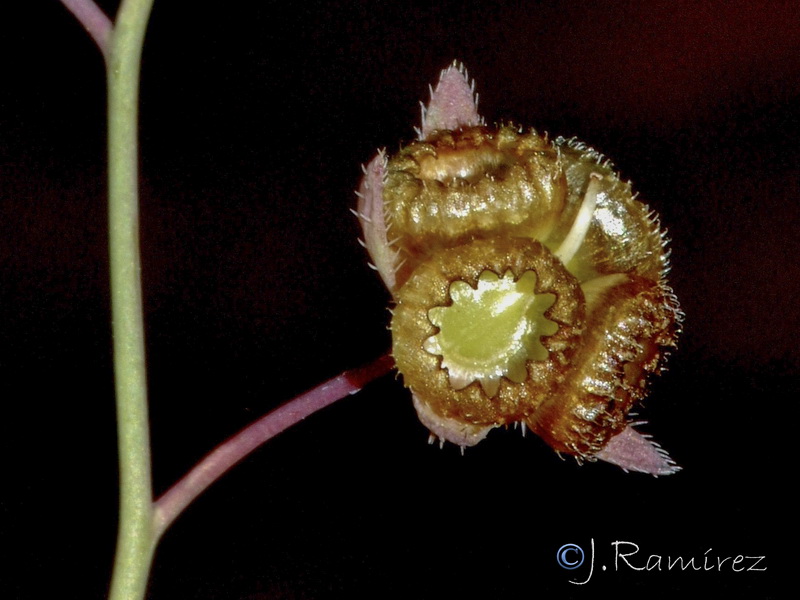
529	283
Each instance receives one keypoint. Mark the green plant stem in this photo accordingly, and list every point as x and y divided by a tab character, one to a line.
136	539
141	521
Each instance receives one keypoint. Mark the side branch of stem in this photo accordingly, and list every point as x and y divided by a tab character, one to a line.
94	21
230	452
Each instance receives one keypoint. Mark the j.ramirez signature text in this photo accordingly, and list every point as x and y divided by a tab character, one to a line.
627	555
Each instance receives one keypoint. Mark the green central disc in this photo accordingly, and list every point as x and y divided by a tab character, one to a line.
491	331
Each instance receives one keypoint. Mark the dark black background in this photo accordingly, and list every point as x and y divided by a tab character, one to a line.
255	118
